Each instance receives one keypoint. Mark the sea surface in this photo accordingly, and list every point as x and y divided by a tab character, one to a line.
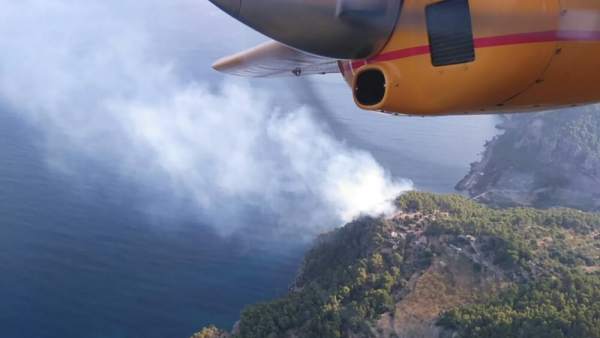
78	261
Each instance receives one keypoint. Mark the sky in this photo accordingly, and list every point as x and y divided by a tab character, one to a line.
127	84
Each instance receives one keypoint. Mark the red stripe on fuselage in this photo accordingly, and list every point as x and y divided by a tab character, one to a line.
494	41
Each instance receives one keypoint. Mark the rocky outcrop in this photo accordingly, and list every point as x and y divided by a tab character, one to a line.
211	332
542	160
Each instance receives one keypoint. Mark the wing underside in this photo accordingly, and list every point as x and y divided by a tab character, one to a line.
273	59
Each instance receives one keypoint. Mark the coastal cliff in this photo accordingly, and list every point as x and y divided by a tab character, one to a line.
541	160
441	267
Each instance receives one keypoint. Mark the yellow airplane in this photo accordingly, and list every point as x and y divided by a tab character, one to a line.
431	57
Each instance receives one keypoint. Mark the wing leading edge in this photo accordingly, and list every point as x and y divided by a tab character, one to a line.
273	59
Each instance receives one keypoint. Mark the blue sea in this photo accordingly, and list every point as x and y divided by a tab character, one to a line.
77	260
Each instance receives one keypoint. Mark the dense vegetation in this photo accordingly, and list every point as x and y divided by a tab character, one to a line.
357	273
565	306
345	283
557	249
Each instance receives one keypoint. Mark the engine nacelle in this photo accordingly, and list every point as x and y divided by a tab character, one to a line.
481	56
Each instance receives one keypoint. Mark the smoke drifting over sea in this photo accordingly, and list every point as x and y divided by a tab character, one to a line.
106	79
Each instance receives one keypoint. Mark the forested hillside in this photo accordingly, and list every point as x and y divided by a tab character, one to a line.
443	266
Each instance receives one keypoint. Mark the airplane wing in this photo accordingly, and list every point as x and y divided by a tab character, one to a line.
273	59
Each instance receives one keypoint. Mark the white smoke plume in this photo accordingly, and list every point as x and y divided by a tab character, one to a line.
106	78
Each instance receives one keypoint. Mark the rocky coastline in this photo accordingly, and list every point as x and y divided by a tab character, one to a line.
542	160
